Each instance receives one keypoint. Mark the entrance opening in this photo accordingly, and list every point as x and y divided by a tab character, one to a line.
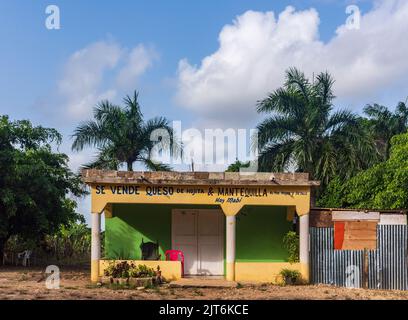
199	233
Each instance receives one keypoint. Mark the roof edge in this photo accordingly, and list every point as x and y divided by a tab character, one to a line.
92	176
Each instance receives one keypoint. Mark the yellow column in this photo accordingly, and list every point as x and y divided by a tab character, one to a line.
230	254
95	246
304	246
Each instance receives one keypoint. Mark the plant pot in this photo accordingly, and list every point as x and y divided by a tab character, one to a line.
141	282
121	281
106	279
290	281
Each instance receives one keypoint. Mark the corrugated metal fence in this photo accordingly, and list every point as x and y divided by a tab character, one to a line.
387	266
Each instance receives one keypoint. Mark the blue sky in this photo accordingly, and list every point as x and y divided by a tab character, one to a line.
204	63
32	57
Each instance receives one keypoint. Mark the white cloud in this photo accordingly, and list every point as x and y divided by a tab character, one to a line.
83	75
86	76
258	47
138	61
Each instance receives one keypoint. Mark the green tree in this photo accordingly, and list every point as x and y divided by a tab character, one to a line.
122	136
384	124
237	165
73	240
36	185
384	186
332	196
305	134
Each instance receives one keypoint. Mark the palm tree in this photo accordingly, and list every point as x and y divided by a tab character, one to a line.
122	136
237	165
384	124
304	134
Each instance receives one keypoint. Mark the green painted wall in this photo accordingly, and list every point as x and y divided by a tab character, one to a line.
132	222
260	230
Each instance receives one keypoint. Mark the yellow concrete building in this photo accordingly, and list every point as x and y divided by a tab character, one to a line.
226	224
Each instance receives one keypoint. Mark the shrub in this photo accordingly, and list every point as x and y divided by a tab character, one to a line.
291	243
118	270
126	270
290	276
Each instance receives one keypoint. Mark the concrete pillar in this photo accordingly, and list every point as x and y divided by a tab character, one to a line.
95	246
230	254
304	246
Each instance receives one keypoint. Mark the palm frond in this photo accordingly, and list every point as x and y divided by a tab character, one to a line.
106	160
276	157
155	166
324	88
133	107
107	113
89	134
339	120
283	100
275	128
158	130
296	79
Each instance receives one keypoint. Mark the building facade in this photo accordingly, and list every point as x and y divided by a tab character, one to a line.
226	224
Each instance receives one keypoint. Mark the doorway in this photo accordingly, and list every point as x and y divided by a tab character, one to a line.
199	233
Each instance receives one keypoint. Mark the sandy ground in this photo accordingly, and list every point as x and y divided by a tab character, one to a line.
29	283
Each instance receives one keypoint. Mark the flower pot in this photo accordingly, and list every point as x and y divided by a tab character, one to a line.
121	281
290	280
141	282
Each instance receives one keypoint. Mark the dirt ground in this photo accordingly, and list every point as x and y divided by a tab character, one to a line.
29	283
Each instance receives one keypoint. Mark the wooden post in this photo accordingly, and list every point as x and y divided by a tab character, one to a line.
365	269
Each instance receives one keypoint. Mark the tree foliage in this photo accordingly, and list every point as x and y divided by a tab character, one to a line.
122	136
305	134
237	165
383	124
36	185
291	244
384	186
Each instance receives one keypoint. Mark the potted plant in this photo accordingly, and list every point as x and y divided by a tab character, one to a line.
118	272
125	273
290	277
142	276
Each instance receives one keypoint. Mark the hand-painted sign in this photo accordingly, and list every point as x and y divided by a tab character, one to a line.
230	198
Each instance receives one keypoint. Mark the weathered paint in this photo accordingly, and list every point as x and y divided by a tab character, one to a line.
230	243
338	234
231	203
95	245
95	270
393	219
355	215
231	192
304	246
263	271
171	270
387	265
